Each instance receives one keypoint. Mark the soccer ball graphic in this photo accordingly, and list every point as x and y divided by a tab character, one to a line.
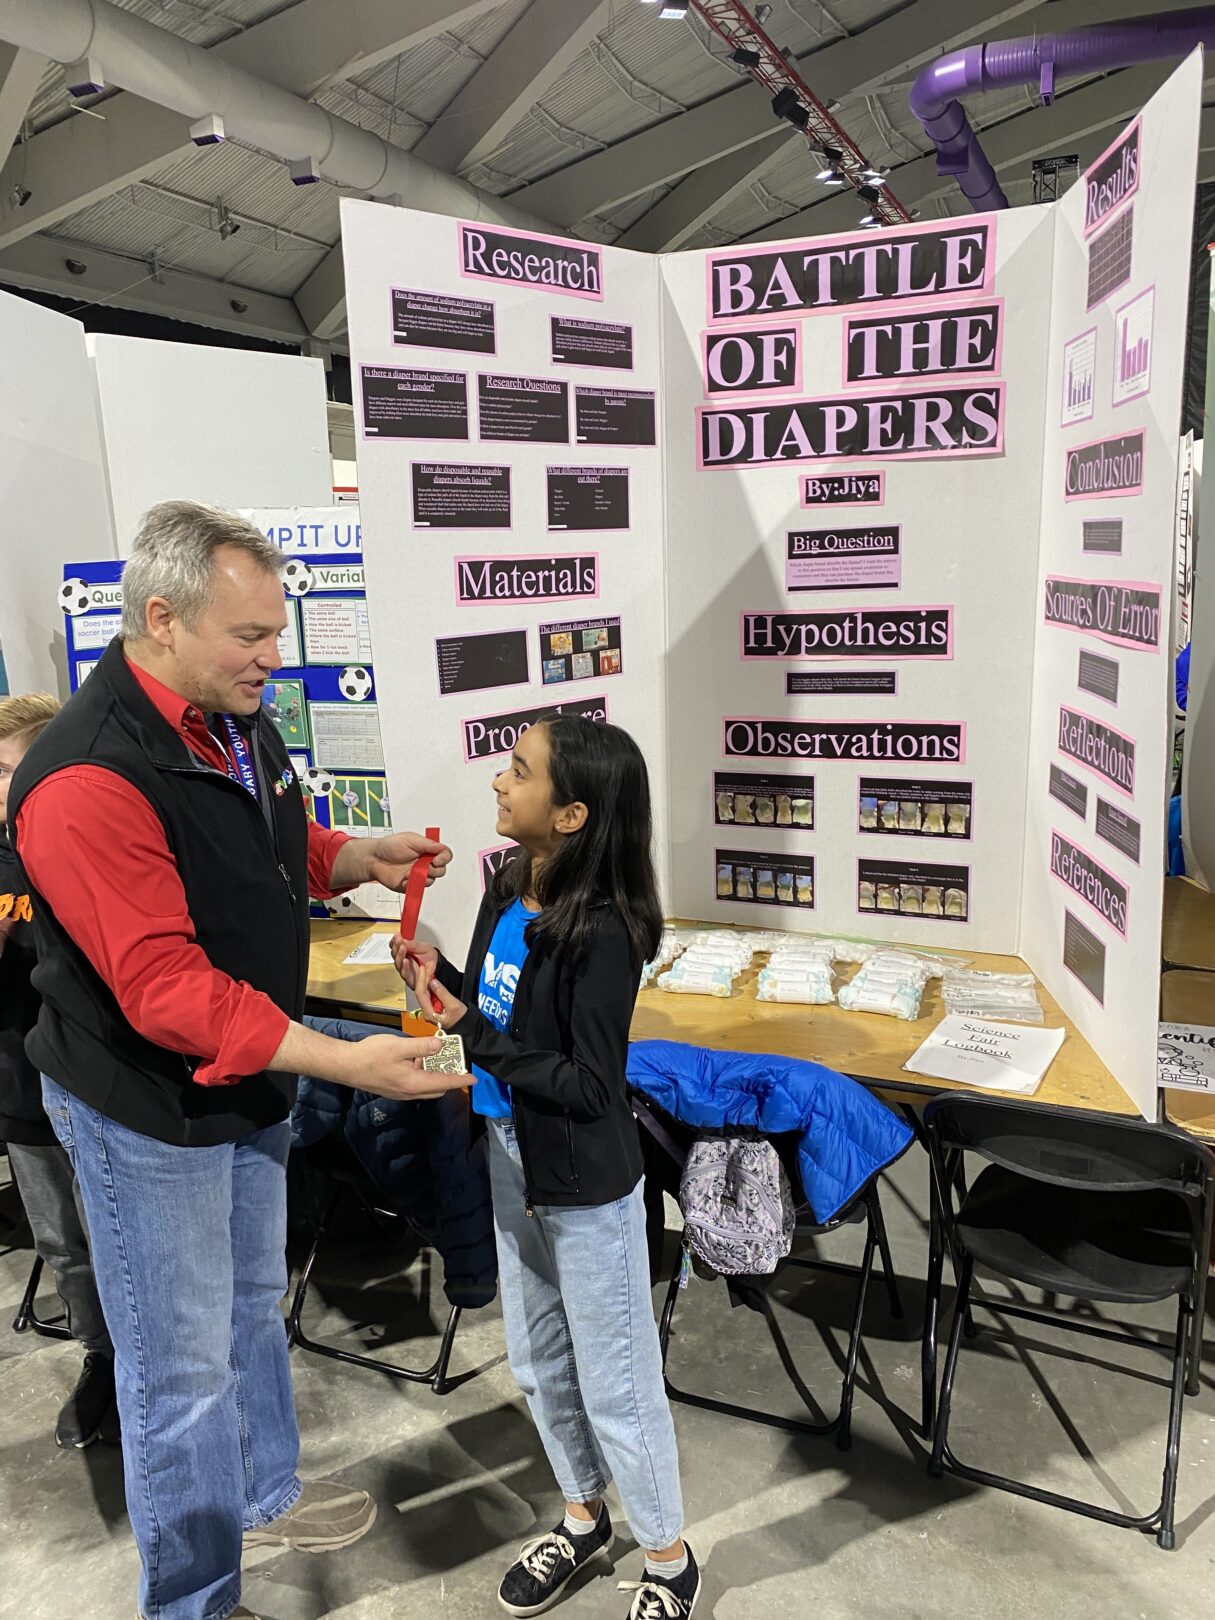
355	683
74	597
318	783
297	578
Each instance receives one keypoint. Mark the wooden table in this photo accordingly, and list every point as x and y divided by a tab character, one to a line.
867	1046
1188	939
1189	998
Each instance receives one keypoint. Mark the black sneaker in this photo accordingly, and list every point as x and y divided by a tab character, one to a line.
80	1420
546	1566
657	1598
110	1432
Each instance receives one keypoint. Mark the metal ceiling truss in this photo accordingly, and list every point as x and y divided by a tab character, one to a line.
731	22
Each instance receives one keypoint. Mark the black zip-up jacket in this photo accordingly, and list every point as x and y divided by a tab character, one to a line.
244	868
22	1116
563	1058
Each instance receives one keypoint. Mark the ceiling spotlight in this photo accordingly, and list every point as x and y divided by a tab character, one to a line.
674	8
227	225
75	267
762	13
304	171
745	57
20	195
785	104
872	176
830	175
870	221
208	131
83	78
869	194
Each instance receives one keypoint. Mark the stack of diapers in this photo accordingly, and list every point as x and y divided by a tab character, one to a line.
799	972
709	966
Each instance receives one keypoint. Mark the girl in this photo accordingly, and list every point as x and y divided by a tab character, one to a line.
543	1008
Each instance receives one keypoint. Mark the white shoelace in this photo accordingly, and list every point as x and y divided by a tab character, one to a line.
539	1556
653	1602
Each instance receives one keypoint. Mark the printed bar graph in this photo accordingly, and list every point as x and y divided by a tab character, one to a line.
1133	360
1079	367
1133	347
1079	388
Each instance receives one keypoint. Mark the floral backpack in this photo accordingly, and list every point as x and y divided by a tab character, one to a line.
737	1205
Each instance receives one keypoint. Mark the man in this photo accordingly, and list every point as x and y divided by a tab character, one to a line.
41	1169
169	862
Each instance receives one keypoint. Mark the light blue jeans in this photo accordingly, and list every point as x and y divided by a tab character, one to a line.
189	1254
583	1345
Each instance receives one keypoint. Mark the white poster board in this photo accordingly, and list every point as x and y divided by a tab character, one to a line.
511	493
839	621
234	428
1101	738
52	486
839	557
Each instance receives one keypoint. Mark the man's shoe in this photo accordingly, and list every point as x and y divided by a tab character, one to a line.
657	1598
80	1420
546	1566
324	1517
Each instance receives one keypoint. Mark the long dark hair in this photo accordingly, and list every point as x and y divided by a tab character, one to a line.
609	859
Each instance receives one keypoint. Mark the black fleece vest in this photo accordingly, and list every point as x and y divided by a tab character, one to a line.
245	874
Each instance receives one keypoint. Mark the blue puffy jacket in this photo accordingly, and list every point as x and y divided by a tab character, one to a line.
423	1159
847	1136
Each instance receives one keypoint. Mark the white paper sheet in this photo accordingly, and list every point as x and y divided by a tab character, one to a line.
372	952
978	1052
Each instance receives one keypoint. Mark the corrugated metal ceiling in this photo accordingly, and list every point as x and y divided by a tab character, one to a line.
641	71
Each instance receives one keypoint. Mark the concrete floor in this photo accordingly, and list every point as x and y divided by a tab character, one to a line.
788	1527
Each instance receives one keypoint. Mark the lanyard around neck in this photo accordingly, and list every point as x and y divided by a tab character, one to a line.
242	771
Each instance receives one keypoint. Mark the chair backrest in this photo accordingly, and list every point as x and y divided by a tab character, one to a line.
1071	1147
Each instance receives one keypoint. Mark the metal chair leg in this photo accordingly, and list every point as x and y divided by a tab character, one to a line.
883	1242
294	1334
668	1308
1200	1302
935	1464
24	1318
932	1307
436	1375
27	1317
843	1434
1166	1536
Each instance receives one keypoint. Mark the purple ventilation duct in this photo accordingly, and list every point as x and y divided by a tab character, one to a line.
935	95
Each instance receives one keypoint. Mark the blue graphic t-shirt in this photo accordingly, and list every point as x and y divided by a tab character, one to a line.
496	998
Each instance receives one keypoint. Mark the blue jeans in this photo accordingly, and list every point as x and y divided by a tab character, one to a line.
189	1254
583	1345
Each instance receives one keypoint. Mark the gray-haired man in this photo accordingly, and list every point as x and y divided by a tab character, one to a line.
169	861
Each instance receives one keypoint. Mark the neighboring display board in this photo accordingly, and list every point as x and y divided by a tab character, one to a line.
322	700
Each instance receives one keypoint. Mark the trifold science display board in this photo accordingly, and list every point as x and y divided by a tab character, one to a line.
323	699
866	538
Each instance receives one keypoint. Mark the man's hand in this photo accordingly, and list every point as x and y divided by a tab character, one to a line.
387	1065
387	861
390	1065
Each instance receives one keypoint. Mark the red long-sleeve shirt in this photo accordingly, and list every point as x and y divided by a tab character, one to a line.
95	850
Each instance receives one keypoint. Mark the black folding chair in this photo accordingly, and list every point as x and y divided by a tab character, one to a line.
1085	1205
53	1327
345	1180
673	1141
